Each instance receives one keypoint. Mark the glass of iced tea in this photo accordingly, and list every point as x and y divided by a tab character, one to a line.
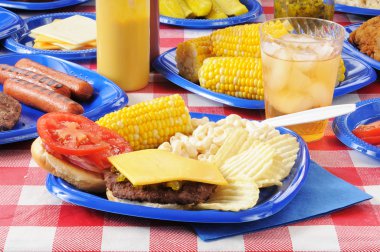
300	58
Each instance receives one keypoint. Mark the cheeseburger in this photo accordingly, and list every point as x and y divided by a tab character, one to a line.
97	160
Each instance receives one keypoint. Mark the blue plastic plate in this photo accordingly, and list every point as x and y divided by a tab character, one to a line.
9	23
39	6
107	96
20	42
358	75
353	51
254	11
356	10
367	111
272	199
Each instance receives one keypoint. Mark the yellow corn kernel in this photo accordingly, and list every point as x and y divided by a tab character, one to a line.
235	41
236	76
341	71
277	29
148	124
190	56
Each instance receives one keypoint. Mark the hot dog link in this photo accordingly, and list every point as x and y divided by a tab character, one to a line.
39	97
80	89
7	72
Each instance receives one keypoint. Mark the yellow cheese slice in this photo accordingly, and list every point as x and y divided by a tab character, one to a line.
45	46
55	43
67	46
74	30
153	166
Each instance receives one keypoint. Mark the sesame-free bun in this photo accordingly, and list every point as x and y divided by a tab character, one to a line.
82	179
112	197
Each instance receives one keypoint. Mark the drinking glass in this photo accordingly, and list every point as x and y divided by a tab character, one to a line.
300	58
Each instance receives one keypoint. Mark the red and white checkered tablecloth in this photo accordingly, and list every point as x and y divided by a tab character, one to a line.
33	220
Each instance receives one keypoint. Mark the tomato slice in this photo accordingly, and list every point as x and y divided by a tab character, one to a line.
375	140
368	130
80	140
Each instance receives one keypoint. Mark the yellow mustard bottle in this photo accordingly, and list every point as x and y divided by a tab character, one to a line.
123	42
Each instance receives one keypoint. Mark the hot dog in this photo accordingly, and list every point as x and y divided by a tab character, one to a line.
80	89
7	72
39	97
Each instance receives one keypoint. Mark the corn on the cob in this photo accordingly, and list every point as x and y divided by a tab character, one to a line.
200	8
236	76
148	124
171	8
241	40
232	7
216	12
190	56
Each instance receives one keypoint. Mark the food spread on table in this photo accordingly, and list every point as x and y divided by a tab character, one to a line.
209	9
154	153
44	88
72	33
372	4
227	61
367	38
369	133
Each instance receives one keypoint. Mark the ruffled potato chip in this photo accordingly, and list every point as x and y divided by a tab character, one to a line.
250	163
239	194
268	182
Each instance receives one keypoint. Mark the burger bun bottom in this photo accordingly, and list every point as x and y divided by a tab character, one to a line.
111	197
82	179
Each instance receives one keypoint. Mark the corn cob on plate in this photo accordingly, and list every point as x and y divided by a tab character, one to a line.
270	201
254	11
358	74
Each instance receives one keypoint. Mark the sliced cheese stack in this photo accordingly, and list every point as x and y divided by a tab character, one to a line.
73	33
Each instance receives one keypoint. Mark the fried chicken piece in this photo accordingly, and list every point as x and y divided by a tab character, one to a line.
367	38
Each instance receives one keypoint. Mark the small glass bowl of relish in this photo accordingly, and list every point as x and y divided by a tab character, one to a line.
323	9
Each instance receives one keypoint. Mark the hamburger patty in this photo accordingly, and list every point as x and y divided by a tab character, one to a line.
190	192
10	110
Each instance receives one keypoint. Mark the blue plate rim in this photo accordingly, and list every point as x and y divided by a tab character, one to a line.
40	6
356	10
161	67
119	101
251	15
13	27
68	193
349	48
13	45
344	133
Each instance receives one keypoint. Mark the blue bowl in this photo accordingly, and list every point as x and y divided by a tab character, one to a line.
107	96
254	11
367	111
356	10
358	75
271	199
9	23
40	6
20	42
